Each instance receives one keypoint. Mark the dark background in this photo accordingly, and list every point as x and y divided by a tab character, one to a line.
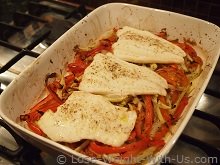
205	9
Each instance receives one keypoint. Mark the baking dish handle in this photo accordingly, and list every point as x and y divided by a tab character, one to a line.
25	154
8	152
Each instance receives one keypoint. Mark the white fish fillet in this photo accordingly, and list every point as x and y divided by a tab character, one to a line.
140	46
109	75
88	116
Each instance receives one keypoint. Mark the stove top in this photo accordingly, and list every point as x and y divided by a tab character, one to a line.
38	24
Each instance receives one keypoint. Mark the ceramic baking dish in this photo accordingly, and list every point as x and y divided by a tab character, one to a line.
28	87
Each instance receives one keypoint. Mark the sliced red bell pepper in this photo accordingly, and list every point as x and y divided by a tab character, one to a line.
180	108
190	51
162	99
148	114
35	128
42	102
103	149
166	116
174	95
132	136
98	49
69	80
138	128
157	143
52	106
161	133
76	68
56	85
54	95
35	115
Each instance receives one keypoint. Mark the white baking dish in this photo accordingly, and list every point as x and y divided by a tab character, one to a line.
25	90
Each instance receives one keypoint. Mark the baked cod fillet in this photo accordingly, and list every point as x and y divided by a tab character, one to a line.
88	116
109	75
140	46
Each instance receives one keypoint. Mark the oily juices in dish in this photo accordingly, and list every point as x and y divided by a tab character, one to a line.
147	114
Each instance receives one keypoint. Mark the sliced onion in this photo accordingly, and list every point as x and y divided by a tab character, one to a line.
175	88
183	65
131	108
157	109
156	126
188	57
168	100
180	98
139	106
163	106
136	100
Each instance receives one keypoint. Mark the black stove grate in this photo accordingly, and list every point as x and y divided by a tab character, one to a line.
1	90
50	31
22	51
210	150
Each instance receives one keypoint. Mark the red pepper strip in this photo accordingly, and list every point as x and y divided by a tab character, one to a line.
191	52
52	106
138	128
104	45
35	115
47	104
99	149
139	124
132	136
180	108
55	85
69	80
42	102
187	48
174	95
162	99
76	68
93	52
35	128
161	133
149	115
175	66
132	153
166	116
54	95
157	143
164	112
